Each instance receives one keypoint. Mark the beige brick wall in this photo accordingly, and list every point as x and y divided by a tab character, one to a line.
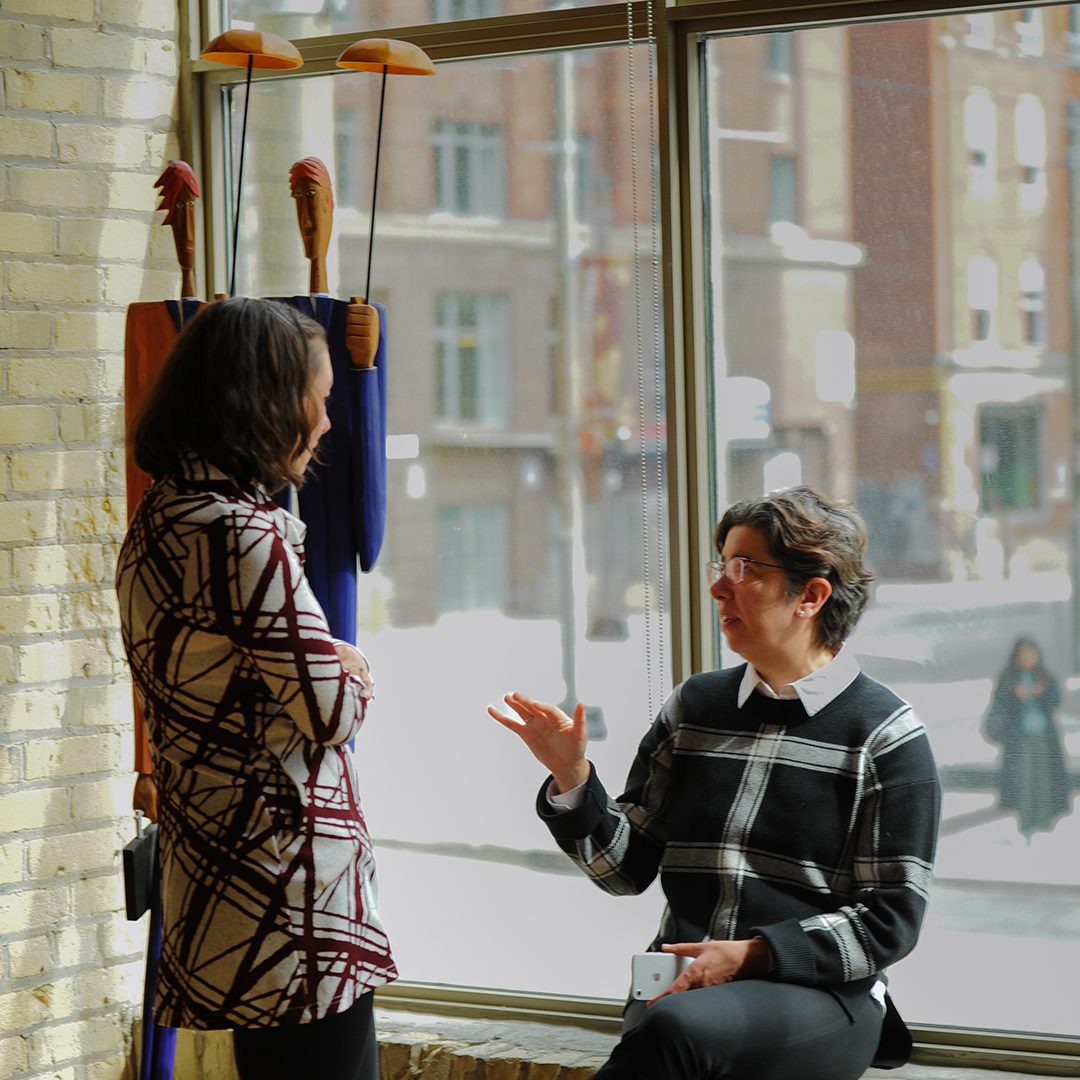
88	105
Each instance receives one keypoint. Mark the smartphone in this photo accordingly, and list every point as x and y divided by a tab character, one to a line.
652	973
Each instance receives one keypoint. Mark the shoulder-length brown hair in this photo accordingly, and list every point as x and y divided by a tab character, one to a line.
812	537
233	391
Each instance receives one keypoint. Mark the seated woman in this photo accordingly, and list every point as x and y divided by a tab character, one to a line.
790	806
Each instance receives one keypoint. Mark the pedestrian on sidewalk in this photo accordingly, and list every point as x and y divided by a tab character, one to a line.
1033	783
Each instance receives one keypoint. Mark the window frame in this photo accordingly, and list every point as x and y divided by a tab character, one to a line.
678	25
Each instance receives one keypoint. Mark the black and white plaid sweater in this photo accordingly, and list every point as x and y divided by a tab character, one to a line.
816	833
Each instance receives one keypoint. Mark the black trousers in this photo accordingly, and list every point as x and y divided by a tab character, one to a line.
752	1029
339	1047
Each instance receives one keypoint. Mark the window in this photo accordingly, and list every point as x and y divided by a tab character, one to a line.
1030	132
1010	455
1072	34
454	10
781	53
469	169
783	189
980	33
352	183
473	554
1032	303
982	277
1029	31
980	133
472	340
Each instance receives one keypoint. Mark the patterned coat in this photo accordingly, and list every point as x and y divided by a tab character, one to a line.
268	878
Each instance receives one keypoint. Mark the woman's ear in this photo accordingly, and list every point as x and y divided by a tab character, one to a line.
815	592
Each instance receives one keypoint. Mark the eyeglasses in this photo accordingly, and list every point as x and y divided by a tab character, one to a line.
734	569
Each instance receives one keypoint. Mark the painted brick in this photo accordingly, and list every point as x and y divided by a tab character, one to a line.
81	48
57	470
90	144
90	330
70	854
69	1042
11	865
126	284
132	191
90	609
14	1055
145	14
5	565
24	1008
25	330
112	375
120	940
7	665
121	982
164	146
74	10
161	57
34	614
92	423
162	246
22	520
100	706
21	42
98	238
38	808
31	909
29	957
48	661
76	945
11	763
31	710
81	519
74	756
57	188
24	137
58	564
53	92
117	1067
140	99
50	283
101	895
56	376
27	424
27	233
95	800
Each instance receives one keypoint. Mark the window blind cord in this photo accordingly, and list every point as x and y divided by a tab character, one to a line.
651	595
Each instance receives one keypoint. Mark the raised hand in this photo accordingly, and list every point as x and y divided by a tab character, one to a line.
556	740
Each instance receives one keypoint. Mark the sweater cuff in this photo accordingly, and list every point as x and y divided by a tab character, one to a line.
793	957
578	823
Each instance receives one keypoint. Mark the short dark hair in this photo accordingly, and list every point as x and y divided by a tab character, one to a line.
812	537
233	392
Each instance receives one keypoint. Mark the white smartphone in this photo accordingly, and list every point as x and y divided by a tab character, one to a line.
652	973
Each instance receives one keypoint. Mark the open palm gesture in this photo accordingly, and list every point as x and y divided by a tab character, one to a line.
556	740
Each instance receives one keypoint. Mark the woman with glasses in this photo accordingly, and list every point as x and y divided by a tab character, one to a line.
789	806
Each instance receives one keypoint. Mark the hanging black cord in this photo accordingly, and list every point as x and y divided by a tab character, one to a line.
375	187
240	175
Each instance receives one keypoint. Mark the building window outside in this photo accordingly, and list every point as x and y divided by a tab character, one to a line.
1033	303
980	134
783	189
471	347
1010	456
982	281
454	10
352	189
1029	30
470	169
980	33
781	47
1072	34
1030	137
473	558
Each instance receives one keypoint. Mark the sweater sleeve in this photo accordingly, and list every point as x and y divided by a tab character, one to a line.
262	601
619	842
895	841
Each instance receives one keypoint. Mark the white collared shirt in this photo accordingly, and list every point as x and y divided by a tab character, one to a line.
815	690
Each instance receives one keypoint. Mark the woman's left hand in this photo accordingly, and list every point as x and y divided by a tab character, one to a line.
356	664
717	962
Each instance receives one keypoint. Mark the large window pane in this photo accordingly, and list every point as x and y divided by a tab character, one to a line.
308	18
515	544
892	320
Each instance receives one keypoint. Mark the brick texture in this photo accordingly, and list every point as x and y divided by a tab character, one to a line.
88	107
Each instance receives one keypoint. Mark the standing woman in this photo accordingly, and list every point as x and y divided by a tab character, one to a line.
268	882
1034	783
789	806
